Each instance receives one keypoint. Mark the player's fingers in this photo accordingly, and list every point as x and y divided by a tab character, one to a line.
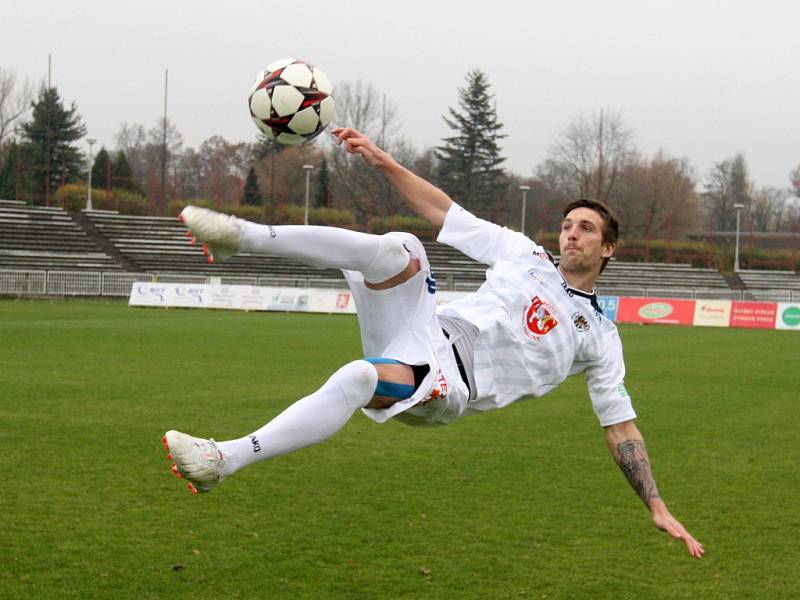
694	547
345	133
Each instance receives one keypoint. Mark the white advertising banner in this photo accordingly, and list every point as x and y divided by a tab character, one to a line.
788	316
240	297
248	297
712	313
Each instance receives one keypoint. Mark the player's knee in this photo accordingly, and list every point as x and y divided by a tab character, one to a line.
359	379
390	260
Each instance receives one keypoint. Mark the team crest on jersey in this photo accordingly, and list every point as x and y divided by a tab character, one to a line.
580	322
539	318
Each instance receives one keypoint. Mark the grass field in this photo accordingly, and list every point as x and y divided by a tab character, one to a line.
522	502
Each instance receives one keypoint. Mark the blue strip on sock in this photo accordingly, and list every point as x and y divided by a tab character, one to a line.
394	390
383	361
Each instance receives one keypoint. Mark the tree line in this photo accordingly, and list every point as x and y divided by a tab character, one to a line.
658	196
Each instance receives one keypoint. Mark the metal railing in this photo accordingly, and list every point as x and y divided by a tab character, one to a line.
19	282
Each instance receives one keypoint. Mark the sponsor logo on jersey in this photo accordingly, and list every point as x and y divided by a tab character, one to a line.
539	319
534	274
431	281
439	389
580	322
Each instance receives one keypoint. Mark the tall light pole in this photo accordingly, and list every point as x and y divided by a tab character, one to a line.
738	208
91	142
524	189
308	169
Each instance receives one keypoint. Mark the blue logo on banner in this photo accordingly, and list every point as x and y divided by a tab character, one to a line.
609	305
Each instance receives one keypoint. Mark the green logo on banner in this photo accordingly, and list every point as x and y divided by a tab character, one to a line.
791	316
655	310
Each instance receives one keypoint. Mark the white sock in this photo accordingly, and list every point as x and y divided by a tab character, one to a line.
378	257
308	421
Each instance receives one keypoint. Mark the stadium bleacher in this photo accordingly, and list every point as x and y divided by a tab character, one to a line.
40	238
770	280
160	245
51	239
773	286
663	279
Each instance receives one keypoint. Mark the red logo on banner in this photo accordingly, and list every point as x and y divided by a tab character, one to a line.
539	318
342	300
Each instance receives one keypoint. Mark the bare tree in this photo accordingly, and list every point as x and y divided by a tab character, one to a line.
728	184
132	140
357	186
769	208
656	197
359	105
587	158
794	178
15	102
216	169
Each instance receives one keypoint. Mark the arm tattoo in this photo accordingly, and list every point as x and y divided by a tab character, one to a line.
632	459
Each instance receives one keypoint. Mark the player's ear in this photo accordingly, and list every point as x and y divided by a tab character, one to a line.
608	250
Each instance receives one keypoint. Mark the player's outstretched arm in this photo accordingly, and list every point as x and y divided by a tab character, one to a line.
627	446
424	198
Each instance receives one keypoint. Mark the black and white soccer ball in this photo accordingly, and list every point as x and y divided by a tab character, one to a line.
291	101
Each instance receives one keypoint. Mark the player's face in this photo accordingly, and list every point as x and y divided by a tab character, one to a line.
581	241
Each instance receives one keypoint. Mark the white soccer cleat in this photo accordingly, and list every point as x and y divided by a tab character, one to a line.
220	234
197	460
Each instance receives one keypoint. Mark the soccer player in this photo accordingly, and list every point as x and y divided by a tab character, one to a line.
529	326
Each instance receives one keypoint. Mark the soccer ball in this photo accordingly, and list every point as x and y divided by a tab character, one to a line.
290	101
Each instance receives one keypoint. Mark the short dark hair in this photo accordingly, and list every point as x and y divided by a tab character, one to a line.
610	223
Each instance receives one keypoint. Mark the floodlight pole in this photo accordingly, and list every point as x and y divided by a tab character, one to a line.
308	169
524	189
738	208
91	142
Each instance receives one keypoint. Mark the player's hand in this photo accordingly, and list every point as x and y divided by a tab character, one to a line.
666	522
356	142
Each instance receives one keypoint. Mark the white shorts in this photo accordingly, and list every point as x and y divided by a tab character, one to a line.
401	323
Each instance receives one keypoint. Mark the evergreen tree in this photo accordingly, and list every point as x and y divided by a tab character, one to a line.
48	140
469	161
100	169
252	193
122	173
9	173
322	189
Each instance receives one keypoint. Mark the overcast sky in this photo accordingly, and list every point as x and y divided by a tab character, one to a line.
702	79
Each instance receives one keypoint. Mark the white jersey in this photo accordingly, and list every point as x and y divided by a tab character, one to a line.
534	329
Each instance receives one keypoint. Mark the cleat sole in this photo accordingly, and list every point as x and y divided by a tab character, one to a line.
191	488
176	472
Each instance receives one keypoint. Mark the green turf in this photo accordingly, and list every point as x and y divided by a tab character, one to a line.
522	502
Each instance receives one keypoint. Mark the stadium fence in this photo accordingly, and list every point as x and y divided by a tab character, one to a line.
24	283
